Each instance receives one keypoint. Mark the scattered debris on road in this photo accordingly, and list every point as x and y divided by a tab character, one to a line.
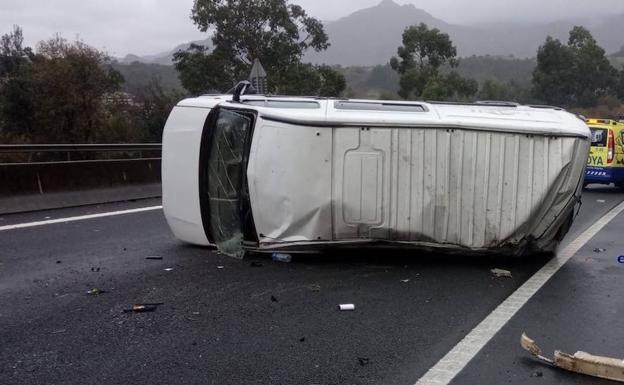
96	291
302	339
599	250
581	362
154	257
143	307
220	267
601	201
256	264
278	257
315	287
59	331
500	273
274	299
169	269
363	361
537	373
405	280
346	307
95	269
58	262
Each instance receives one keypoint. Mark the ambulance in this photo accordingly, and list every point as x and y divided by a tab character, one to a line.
268	174
605	164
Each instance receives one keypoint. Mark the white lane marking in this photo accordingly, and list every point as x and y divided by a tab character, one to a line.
455	360
77	218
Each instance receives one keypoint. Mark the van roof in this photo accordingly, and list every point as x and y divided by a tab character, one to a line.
494	115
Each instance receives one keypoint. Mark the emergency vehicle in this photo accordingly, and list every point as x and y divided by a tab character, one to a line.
605	164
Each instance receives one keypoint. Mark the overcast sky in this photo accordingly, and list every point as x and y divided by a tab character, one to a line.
152	26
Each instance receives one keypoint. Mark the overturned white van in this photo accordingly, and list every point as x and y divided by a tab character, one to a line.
304	174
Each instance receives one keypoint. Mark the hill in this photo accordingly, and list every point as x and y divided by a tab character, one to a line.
137	75
371	36
163	58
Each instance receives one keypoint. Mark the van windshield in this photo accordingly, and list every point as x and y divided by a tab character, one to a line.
599	137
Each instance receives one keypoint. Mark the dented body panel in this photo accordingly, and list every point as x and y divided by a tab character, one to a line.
324	173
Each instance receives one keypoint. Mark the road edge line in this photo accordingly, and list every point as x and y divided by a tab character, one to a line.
445	370
77	218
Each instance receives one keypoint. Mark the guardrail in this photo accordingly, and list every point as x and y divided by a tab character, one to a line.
41	176
35	153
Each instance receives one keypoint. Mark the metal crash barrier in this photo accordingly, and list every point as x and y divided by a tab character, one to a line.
44	176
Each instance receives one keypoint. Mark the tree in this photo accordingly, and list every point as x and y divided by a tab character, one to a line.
593	72
311	80
553	76
424	50
450	87
492	90
200	72
332	82
70	107
273	31
576	74
155	104
13	54
418	63
14	93
60	95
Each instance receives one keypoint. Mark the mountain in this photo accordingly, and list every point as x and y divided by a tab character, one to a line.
371	36
138	75
163	58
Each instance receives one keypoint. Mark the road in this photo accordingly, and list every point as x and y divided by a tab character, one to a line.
255	321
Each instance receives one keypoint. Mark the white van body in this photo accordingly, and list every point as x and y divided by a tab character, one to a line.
276	173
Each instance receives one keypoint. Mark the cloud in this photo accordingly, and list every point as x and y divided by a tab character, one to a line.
152	26
118	26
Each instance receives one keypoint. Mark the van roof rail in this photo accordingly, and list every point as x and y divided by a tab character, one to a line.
500	103
242	88
490	103
545	106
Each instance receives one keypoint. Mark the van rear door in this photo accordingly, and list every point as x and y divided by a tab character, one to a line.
599	151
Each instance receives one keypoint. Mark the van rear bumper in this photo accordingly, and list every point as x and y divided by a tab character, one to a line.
604	175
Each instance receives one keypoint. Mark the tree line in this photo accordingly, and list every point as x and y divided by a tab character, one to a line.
577	75
69	92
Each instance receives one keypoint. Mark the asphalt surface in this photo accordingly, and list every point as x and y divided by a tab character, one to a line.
580	308
255	321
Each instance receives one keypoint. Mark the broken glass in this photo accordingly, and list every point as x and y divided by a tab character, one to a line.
225	180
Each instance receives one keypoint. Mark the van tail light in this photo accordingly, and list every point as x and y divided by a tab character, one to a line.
611	148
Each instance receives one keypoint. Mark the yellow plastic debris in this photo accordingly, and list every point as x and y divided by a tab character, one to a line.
581	362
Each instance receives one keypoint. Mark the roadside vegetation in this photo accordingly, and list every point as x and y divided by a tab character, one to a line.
68	92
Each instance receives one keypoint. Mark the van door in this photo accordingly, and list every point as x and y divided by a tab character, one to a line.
598	153
224	196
